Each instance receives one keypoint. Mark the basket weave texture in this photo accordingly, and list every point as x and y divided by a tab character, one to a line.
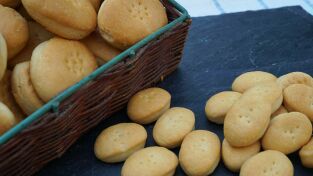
51	135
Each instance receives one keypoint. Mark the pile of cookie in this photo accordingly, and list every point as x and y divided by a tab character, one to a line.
47	46
261	111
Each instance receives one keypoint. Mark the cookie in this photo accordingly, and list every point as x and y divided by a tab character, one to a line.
7	97
295	78
37	35
171	128
299	97
218	105
118	142
269	92
234	157
246	121
280	110
306	154
269	162
10	3
58	64
100	48
23	90
144	17
14	29
249	79
148	105
200	153
152	161
3	56
7	119
287	133
95	4
69	19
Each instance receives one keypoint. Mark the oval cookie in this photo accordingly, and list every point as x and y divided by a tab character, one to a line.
171	128
266	163
118	142
306	154
287	133
299	97
152	161
7	119
3	56
200	153
295	78
246	122
23	90
58	64
219	104
148	105
249	79
234	157
280	110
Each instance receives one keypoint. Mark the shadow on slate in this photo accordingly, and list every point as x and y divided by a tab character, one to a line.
219	48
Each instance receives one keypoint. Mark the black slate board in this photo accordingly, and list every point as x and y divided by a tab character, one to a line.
218	49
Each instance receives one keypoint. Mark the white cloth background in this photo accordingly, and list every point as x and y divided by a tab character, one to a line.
216	7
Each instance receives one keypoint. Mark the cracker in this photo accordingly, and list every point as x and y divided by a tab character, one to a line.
7	119
295	78
306	154
10	3
3	56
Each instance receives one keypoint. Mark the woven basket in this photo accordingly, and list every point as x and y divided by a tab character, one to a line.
50	131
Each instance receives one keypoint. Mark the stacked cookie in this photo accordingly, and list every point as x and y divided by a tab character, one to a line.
263	111
47	46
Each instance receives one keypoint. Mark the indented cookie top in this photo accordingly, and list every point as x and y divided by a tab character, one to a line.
246	122
249	79
218	105
58	64
287	132
295	78
3	56
7	119
299	97
117	142
200	152
152	161
148	105
306	154
269	162
117	17
171	128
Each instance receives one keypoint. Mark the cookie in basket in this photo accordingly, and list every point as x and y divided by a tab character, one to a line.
14	29
23	90
10	3
7	119
118	142
148	105
152	161
306	154
37	35
58	64
124	23
100	48
3	56
249	79
218	105
69	19
171	128
269	162
295	78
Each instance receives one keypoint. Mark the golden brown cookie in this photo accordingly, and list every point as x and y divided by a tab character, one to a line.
287	133
247	121
3	56
69	19
295	78
299	97
266	163
37	35
152	161
10	3
118	142
306	154
148	105
7	119
234	157
14	29
171	128
144	17
200	153
219	104
58	64
23	90
280	110
100	48
250	79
